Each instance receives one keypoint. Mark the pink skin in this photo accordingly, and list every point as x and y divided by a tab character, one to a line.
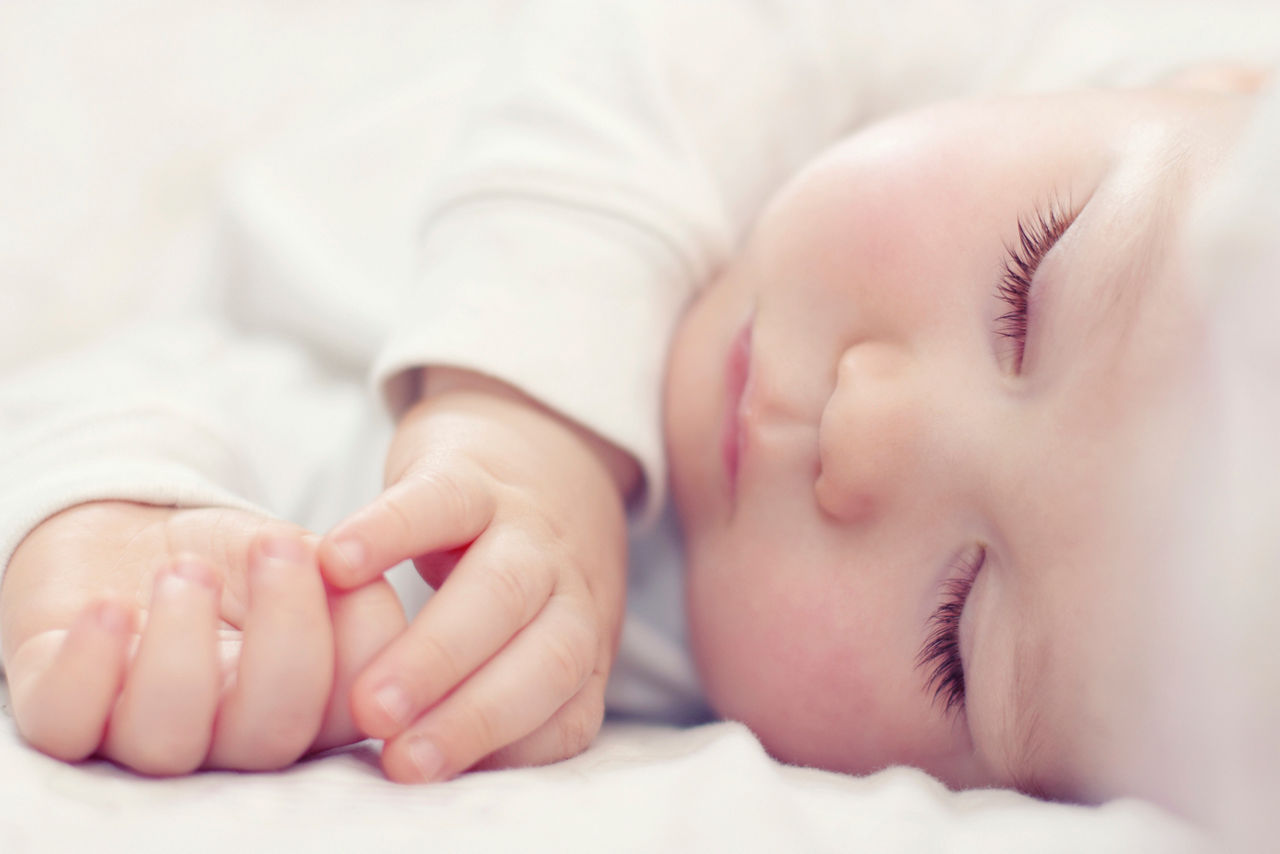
884	431
516	517
733	434
173	639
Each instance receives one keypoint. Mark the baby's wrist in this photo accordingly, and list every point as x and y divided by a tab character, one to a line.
438	382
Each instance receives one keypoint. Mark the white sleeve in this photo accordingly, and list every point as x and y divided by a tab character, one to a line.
186	414
567	228
614	154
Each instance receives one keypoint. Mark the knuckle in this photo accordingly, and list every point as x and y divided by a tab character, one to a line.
395	507
571	655
433	656
513	593
483	728
451	500
578	726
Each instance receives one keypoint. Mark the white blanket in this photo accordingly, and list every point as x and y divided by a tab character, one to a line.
639	788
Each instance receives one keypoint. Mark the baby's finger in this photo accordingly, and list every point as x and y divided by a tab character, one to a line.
163	721
364	621
425	512
64	684
275	707
512	696
569	732
497	588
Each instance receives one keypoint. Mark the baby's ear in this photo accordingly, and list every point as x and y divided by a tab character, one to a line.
1224	77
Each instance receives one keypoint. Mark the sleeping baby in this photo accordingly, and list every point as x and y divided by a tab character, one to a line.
958	380
927	432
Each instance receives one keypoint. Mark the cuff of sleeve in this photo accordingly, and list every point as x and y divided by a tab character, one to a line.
150	457
574	307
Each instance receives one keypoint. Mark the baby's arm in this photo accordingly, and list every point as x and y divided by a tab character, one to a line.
517	517
179	625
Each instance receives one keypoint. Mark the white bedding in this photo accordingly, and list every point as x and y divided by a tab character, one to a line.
639	788
97	217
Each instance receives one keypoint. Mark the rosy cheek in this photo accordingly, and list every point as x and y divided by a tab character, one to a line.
772	656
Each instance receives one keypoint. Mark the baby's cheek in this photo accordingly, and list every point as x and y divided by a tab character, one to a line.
734	626
768	659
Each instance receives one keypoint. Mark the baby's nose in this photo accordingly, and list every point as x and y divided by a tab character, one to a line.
874	436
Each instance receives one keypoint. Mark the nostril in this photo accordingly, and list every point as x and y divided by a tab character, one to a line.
839	490
862	430
840	503
834	489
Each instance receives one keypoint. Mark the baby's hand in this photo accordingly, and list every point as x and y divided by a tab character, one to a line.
169	640
517	520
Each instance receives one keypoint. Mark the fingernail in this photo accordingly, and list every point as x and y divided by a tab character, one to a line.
394	703
113	617
351	551
175	586
288	549
194	571
426	757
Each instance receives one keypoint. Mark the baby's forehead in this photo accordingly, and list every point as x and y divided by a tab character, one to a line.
976	125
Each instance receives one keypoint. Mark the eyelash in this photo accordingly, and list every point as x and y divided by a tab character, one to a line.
941	651
1036	236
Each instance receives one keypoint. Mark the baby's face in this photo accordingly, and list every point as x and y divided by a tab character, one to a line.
929	468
